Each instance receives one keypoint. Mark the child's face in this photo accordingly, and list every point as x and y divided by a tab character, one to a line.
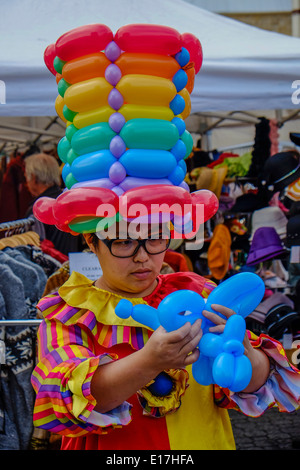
134	276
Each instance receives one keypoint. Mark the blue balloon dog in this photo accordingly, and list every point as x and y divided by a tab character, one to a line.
221	360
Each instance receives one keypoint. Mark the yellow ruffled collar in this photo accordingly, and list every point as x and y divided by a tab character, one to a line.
79	292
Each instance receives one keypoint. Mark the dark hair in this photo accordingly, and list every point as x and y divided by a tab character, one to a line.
94	240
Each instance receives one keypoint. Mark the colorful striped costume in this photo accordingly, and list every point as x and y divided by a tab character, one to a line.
80	331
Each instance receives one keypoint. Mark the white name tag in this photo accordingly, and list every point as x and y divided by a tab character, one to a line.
85	263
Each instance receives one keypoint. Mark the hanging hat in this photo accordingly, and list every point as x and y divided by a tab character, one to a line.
280	170
271	216
293	231
218	253
124	98
295	138
293	191
265	245
211	179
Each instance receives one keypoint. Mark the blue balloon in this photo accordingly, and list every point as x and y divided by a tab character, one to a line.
180	124
222	360
241	292
182	57
179	150
180	80
141	313
148	163
177	104
93	165
162	385
180	307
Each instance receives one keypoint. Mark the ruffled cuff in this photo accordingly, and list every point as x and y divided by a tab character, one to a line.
282	388
83	402
158	406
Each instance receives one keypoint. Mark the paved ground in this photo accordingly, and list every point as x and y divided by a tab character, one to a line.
272	431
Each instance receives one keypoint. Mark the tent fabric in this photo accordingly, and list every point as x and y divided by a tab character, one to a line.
244	67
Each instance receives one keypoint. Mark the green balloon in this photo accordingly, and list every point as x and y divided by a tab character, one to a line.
70	180
63	148
62	87
154	134
58	64
70	131
68	114
92	138
188	141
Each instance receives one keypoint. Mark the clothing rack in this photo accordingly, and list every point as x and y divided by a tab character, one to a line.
16	227
30	322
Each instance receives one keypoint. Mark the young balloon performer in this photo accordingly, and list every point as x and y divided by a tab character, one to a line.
119	365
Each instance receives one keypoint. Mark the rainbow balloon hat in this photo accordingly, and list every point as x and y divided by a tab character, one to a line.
124	98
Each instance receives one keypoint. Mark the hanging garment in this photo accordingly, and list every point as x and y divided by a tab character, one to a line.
15	196
63	242
17	396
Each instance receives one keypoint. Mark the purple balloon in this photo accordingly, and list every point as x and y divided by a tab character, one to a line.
184	185
113	74
117	173
118	190
134	182
117	146
99	183
116	121
115	99
112	51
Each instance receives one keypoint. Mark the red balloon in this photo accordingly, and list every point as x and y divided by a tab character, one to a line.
209	201
175	199
193	45
148	38
80	202
43	210
82	41
49	56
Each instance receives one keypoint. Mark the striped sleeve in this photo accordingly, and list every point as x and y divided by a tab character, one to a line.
281	390
63	374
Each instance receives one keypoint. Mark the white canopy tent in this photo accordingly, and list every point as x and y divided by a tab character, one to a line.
244	68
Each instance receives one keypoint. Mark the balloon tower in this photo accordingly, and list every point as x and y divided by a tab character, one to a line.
124	98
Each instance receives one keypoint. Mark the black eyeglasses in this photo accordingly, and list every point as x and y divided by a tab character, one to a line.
125	248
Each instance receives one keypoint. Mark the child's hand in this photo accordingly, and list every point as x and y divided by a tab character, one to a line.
174	350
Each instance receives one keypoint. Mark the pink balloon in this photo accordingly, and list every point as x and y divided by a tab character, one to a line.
49	56
193	45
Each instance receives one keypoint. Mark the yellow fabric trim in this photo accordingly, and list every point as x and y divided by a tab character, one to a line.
78	291
79	374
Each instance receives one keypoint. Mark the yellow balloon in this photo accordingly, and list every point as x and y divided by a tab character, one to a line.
59	104
146	90
92	117
188	105
86	95
133	111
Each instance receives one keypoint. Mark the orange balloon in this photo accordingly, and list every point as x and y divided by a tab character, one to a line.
58	77
190	71
147	64
84	68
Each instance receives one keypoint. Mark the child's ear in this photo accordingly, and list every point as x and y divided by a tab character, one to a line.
89	240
